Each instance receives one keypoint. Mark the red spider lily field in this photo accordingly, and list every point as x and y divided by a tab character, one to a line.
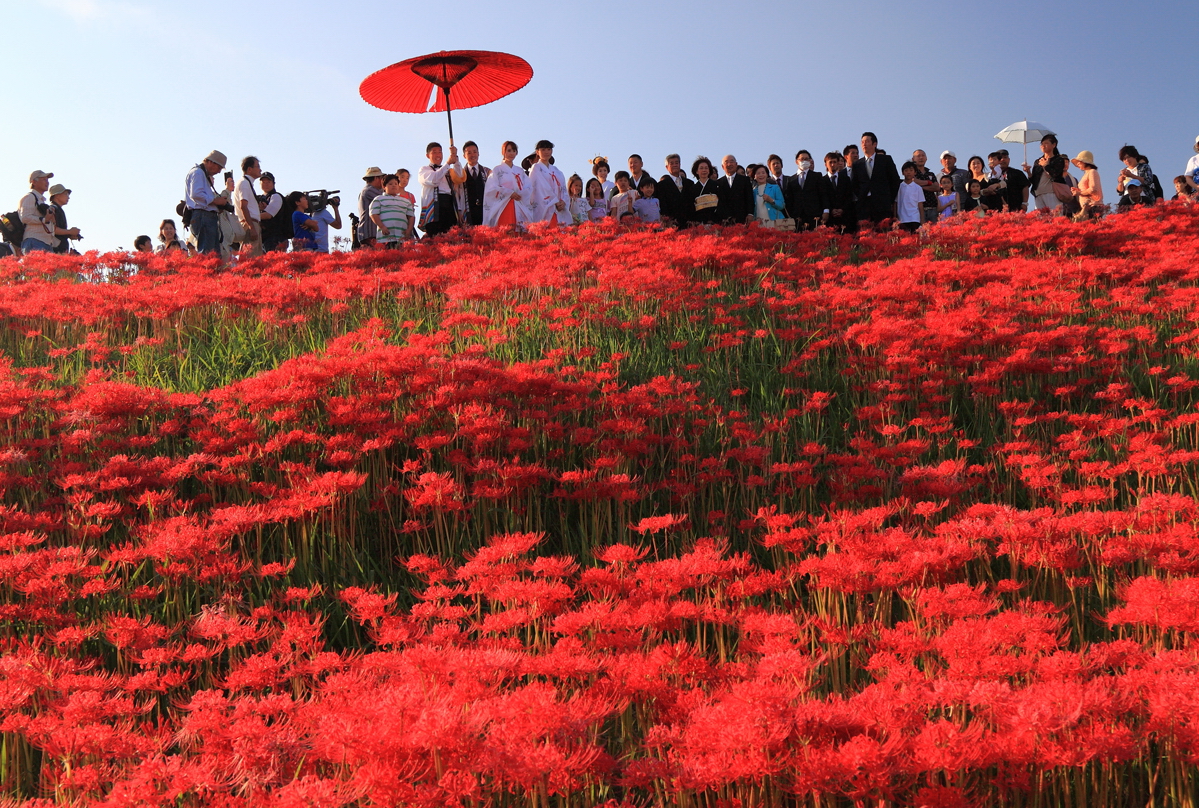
603	517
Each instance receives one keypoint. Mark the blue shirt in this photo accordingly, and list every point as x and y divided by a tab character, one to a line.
323	220
198	193
303	238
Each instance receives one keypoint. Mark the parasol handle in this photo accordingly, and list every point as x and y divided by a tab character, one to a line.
448	116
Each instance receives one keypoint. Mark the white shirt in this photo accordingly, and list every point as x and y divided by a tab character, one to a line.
274	204
549	188
501	185
245	191
434	181
1192	166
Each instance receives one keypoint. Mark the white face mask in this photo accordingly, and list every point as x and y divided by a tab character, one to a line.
805	165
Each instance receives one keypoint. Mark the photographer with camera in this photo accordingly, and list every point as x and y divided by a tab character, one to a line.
323	218
37	216
60	195
202	200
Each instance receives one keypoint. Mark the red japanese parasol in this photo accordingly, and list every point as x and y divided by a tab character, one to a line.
476	77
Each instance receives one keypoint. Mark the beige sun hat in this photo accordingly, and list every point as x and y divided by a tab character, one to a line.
372	172
218	158
59	188
1085	157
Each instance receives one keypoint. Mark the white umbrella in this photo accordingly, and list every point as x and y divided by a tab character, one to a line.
1025	132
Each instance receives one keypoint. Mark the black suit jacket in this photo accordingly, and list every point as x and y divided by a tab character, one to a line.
806	204
675	204
736	199
876	191
840	197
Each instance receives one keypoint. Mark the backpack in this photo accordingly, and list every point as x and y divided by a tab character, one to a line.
13	228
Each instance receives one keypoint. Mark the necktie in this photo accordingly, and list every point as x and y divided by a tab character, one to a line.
870	167
803	175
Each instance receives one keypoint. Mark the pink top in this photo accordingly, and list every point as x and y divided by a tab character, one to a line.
1090	190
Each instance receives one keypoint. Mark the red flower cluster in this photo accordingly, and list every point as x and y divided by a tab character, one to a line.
608	517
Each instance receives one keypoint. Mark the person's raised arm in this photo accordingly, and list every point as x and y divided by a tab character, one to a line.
336	223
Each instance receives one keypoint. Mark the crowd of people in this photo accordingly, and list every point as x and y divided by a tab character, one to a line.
861	187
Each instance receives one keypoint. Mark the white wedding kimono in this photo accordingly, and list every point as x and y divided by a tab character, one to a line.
549	188
502	183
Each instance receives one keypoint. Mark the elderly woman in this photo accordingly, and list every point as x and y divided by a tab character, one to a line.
705	193
1089	191
1136	170
768	199
506	195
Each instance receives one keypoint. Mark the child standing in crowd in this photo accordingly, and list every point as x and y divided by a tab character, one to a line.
392	214
579	207
597	200
621	204
646	207
974	198
303	226
910	199
947	202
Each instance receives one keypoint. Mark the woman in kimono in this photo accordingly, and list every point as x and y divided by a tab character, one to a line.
507	195
550	196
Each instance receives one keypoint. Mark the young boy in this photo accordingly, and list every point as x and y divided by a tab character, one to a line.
392	214
621	205
646	207
909	204
303	226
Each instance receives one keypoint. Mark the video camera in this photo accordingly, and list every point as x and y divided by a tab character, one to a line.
319	200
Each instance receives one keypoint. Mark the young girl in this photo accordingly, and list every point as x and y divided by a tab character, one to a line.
599	170
947	202
597	200
974	200
620	206
579	207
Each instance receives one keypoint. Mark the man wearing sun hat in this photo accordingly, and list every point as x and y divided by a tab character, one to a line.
202	199
367	232
60	195
36	216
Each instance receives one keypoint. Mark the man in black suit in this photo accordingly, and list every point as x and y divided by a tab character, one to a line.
736	194
774	165
635	172
875	181
842	213
674	192
805	194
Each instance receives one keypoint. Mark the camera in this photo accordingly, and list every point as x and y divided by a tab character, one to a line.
321	199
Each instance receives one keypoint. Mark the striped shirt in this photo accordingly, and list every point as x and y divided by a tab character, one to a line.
395	212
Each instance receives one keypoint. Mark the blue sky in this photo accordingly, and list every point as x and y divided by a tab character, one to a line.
137	91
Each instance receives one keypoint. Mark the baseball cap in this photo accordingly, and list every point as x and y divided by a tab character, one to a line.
948	153
59	188
266	175
1131	183
39	175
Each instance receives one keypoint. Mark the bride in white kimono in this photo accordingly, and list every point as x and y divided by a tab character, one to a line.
550	194
507	196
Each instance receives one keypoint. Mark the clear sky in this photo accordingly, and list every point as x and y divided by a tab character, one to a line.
120	98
